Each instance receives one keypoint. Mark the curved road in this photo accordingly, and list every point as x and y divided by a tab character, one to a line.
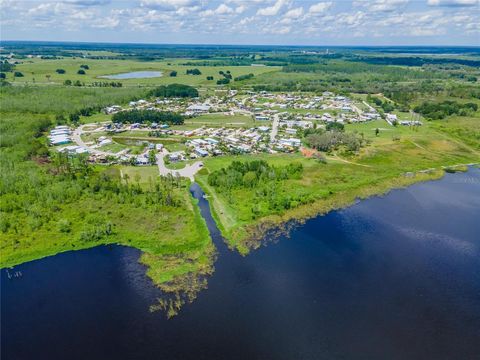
188	171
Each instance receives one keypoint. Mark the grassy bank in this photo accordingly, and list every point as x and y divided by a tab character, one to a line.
388	162
51	204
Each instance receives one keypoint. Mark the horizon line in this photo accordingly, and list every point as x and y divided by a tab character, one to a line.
225	44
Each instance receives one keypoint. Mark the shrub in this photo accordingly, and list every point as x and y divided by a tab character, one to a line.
64	226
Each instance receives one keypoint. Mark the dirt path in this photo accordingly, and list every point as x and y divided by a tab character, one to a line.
336	157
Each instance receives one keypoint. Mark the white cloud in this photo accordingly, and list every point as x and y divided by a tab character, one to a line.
106	23
272	10
320	7
381	5
88	2
167	4
223	9
294	13
453	3
387	5
240	9
351	20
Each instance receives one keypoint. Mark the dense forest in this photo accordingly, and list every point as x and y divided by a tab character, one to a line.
174	90
265	179
148	116
440	110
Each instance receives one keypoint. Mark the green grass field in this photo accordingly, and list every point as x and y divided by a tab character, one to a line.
380	166
43	72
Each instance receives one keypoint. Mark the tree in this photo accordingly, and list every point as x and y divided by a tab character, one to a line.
152	159
60	71
81	72
223	81
74	118
209	77
3	76
377	131
173	73
147	116
17	74
194	72
84	67
244	77
335	126
67	82
174	90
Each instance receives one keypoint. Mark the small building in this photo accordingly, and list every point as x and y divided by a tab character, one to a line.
211	141
290	142
391	118
175	156
201	152
198	108
60	140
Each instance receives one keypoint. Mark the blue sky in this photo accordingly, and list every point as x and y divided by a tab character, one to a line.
279	22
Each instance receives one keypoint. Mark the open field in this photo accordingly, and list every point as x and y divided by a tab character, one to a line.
43	72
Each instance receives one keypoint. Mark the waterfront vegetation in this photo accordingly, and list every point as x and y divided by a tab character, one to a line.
397	157
51	203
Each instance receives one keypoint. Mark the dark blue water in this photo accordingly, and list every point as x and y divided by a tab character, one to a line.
396	277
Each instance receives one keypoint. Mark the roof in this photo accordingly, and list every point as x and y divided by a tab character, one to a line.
199	107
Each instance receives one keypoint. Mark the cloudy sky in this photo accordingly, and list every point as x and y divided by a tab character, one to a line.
292	22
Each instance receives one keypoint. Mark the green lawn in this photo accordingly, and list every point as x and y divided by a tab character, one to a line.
221	120
40	71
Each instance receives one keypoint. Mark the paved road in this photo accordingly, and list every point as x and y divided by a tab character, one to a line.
188	171
77	138
273	133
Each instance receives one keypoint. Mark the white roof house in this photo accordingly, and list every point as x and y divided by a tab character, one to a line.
198	108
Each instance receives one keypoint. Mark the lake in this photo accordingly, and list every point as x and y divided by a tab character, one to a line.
392	277
133	75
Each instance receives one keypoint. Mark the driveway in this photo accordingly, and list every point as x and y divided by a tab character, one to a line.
188	171
273	133
77	138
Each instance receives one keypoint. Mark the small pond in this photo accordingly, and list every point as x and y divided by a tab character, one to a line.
133	75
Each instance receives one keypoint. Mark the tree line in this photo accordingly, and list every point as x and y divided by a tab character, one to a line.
332	139
265	180
440	110
174	90
147	116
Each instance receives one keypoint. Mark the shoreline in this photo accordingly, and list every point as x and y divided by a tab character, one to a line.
247	237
